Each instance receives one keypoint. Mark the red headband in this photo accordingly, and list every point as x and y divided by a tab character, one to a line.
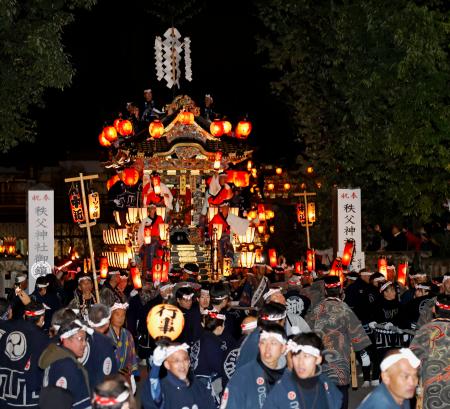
442	306
333	285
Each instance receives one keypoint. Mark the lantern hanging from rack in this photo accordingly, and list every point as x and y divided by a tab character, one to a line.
301	214
130	176
299	267
94	205
311	212
310	260
125	127
382	265
165	321
216	128
103	267
273	258
217	160
243	129
349	251
402	272
156	129
76	205
136	277
336	267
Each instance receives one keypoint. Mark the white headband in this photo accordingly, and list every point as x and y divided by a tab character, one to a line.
352	278
189	271
294	280
115	272
80	326
84	278
417	275
366	273
165	287
187	296
220	298
204	291
175	348
385	285
103	401
214	314
375	280
307	349
423	287
266	335
249	325
102	322
42	285
405	353
119	306
20	279
273	317
271	292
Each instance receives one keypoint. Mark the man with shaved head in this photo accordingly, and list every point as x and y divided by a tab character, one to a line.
399	374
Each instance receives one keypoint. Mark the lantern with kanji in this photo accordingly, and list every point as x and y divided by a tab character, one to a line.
110	133
136	277
130	176
243	129
299	267
301	214
216	128
76	206
311	212
402	272
349	251
103	267
165	321
336	267
310	260
160	271
125	128
273	257
156	129
94	205
382	265
186	118
217	160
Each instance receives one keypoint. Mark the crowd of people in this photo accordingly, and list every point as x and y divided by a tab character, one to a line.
264	338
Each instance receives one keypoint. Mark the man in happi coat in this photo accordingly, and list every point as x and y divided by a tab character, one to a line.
340	330
431	345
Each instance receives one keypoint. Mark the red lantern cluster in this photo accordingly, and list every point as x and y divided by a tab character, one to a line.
239	178
103	141
110	133
125	128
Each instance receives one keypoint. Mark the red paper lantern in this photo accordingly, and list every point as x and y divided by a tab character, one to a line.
112	181
239	178
227	127
103	141
299	267
261	213
125	127
273	261
130	176
186	118
110	133
382	265
243	129
336	267
216	128
136	277
310	260
349	251
103	267
76	206
156	129
116	124
402	272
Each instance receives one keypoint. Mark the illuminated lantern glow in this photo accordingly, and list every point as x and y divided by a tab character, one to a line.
336	267
156	129
94	205
301	214
212	211
270	186
299	268
160	271
156	182
116	124
310	260
136	277
261	213
287	186
147	234
311	212
239	178
130	176
165	321
243	129
247	258
382	265
217	160
110	133
125	128
402	272
252	214
261	229
186	118
76	206
112	181
254	173
163	231
278	171
349	251
273	258
103	141
249	165
248	237
309	169
226	125
103	267
272	229
216	128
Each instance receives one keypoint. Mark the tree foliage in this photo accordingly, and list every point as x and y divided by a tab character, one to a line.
367	84
32	59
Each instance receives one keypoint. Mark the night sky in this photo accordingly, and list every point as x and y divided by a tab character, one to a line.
112	50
